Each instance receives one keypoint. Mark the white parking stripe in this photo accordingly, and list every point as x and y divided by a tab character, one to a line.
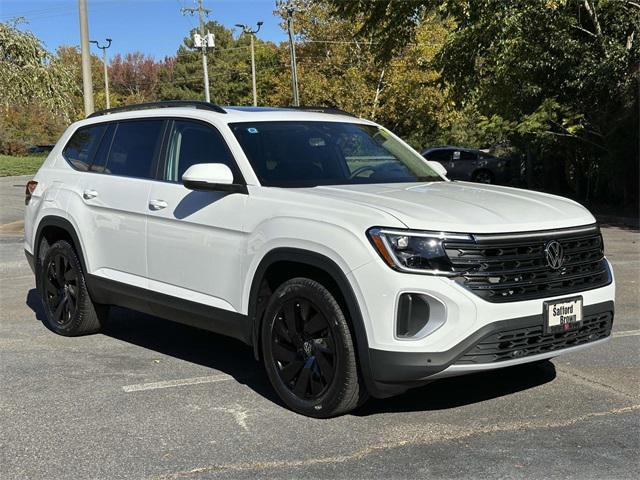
626	333
176	383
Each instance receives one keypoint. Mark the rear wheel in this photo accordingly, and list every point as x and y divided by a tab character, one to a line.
68	308
308	351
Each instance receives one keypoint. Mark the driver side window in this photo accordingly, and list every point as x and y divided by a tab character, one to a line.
194	142
362	154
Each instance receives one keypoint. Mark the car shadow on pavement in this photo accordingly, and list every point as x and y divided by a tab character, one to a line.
223	354
34	302
234	358
464	390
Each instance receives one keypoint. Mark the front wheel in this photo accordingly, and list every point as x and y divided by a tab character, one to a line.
483	176
308	351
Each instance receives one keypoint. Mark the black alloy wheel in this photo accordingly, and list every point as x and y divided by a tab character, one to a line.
61	289
67	305
304	349
308	350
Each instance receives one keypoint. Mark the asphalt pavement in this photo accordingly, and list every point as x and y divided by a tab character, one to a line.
148	398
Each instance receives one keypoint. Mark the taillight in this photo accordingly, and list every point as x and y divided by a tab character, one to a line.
31	187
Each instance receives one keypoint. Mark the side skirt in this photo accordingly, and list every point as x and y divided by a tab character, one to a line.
176	309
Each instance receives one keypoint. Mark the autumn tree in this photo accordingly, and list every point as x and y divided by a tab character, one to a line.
558	78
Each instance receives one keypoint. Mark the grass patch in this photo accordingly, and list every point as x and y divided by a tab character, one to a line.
27	165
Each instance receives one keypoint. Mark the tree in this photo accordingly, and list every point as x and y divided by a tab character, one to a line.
337	67
229	69
29	74
36	91
134	77
558	78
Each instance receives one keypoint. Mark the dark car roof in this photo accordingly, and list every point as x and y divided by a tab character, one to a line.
449	147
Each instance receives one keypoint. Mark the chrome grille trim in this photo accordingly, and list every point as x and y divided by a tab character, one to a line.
516	269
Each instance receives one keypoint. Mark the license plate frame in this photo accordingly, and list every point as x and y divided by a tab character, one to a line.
555	323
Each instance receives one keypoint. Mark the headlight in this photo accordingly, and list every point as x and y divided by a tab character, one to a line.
415	251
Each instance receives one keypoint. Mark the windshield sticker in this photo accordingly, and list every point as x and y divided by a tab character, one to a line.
252	130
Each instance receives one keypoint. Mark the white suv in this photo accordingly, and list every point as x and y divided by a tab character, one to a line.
351	264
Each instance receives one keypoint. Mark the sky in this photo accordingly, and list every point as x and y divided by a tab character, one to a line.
154	27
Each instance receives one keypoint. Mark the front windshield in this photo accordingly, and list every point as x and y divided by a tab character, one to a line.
304	154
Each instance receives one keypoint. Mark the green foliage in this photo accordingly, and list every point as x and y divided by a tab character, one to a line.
558	79
21	165
29	74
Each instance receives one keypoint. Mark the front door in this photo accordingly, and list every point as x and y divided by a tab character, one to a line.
195	239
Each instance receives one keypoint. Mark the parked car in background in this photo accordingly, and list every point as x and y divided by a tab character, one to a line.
470	165
35	149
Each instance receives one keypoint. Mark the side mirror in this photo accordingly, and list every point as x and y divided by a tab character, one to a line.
437	167
211	176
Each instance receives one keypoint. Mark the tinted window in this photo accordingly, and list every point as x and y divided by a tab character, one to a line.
439	155
194	142
100	157
134	148
464	155
82	146
301	154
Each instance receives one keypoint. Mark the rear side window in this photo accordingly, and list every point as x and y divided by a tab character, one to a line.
82	146
193	142
464	155
439	155
134	148
100	157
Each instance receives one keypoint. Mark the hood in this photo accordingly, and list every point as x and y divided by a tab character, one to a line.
464	206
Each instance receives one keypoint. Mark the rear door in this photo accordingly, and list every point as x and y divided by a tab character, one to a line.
465	163
195	239
115	193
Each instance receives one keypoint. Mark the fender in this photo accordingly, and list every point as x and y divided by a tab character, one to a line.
324	263
64	224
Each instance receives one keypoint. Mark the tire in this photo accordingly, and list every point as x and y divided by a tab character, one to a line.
68	308
308	351
483	176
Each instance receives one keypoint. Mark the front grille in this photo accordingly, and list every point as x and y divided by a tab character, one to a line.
527	341
514	269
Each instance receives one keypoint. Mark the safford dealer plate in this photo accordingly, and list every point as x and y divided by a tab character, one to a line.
562	315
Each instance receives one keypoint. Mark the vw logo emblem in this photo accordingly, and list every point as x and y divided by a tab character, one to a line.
554	253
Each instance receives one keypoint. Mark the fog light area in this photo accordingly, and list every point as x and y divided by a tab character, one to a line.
418	315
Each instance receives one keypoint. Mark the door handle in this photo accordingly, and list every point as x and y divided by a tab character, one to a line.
89	194
157	204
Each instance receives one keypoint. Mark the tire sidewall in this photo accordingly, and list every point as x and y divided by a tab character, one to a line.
324	301
63	248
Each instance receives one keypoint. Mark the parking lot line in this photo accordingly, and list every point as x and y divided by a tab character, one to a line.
176	383
626	333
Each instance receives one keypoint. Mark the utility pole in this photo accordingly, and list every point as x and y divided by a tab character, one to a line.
202	12
290	9
87	86
248	31
106	73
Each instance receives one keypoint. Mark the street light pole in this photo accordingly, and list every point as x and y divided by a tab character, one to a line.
106	73
247	30
87	87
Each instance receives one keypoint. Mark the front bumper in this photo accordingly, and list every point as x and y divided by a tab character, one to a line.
496	345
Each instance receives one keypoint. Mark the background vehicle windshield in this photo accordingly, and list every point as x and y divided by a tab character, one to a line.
302	154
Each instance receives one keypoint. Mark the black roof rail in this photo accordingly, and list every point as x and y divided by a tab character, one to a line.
320	109
163	104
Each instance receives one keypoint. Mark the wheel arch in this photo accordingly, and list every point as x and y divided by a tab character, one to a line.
53	227
316	263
